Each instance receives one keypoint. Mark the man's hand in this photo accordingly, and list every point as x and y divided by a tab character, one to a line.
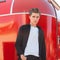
23	57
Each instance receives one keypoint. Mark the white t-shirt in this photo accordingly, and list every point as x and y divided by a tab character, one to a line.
32	47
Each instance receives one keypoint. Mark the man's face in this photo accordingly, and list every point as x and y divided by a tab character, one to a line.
34	18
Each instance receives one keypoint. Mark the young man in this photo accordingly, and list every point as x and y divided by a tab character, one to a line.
30	43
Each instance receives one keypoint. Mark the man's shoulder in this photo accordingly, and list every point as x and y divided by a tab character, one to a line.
23	27
40	29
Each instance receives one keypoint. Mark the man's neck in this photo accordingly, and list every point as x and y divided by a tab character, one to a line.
32	25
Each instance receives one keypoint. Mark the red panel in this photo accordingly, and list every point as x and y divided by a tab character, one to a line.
26	5
58	53
58	46
59	28
11	23
5	7
9	51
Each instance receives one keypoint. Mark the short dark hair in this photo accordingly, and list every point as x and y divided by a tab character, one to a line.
34	10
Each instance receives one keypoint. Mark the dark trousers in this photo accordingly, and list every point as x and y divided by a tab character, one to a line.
31	57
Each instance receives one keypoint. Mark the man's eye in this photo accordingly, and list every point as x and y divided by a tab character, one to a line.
33	16
37	17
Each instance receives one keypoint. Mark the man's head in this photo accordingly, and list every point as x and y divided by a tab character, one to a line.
34	16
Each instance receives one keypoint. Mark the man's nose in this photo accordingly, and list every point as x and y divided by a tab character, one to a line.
35	18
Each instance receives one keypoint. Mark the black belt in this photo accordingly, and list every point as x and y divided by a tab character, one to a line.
32	56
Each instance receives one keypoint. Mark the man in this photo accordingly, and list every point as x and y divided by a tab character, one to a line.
30	43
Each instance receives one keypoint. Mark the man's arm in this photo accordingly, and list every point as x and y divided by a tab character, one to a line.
54	4
43	50
19	44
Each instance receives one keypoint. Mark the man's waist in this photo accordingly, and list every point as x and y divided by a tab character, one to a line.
32	56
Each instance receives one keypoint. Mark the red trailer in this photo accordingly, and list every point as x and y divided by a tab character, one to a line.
13	14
